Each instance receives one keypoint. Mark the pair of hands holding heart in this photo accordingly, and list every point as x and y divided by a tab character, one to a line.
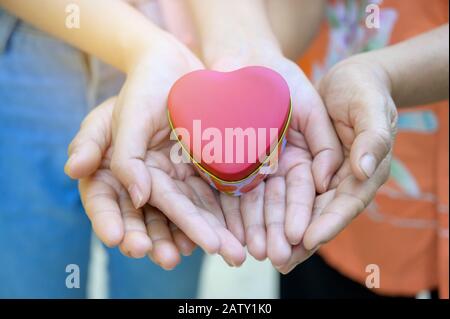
138	199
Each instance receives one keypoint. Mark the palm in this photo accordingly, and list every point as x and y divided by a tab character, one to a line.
139	120
138	232
176	189
275	215
186	200
364	117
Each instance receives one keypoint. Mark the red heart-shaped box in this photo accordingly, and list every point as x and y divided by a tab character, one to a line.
232	124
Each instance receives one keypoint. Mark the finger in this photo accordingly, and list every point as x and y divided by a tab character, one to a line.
300	198
206	196
299	255
184	170
184	244
100	201
352	197
164	252
278	247
136	124
374	133
161	159
314	122
231	210
179	209
136	242
252	208
231	249
299	252
90	144
341	174
366	109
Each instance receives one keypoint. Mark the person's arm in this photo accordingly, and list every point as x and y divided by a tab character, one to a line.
289	25
233	28
111	30
135	124
295	23
153	60
418	69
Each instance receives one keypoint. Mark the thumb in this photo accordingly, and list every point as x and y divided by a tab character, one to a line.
338	208
374	122
137	125
91	143
313	120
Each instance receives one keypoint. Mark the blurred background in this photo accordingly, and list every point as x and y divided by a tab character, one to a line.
217	280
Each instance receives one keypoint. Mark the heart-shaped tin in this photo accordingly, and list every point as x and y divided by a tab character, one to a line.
231	124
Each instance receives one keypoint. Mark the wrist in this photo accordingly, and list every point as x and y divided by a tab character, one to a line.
137	47
373	62
161	55
239	50
233	29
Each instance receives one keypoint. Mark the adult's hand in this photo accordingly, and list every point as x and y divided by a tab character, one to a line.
177	196
357	95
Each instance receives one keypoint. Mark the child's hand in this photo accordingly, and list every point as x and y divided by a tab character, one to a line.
177	195
140	116
357	95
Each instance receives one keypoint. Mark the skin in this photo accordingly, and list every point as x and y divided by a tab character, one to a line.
362	95
275	214
364	117
153	60
295	23
149	55
176	189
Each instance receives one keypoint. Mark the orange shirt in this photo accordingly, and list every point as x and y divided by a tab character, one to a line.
405	230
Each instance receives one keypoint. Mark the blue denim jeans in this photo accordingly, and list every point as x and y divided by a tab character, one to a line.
46	88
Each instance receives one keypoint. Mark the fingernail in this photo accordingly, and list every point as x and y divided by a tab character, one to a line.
235	264
284	270
136	195
279	269
368	164
69	163
228	262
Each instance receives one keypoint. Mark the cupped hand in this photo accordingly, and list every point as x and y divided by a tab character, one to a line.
357	96
276	214
139	116
182	209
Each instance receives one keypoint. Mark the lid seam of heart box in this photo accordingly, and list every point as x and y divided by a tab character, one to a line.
286	126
